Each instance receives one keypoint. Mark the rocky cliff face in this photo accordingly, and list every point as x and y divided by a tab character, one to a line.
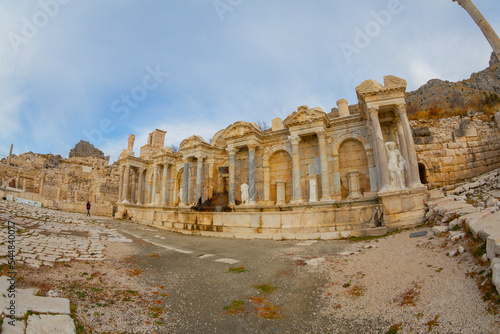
466	94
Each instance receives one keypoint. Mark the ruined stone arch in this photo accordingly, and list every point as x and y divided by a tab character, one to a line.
269	152
277	168
353	152
352	136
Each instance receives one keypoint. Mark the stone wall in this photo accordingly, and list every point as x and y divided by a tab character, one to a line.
454	149
73	180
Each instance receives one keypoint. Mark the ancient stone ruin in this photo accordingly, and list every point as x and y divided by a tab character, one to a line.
313	175
85	149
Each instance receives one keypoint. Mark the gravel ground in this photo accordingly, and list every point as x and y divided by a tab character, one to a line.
163	282
408	283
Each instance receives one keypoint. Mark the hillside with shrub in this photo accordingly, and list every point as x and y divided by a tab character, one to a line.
438	98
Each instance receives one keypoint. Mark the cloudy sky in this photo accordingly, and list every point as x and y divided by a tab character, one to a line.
100	70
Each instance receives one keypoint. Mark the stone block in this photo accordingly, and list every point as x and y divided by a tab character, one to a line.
49	324
491	245
271	220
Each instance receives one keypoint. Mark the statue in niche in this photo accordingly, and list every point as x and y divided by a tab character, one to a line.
180	194
244	194
312	190
396	165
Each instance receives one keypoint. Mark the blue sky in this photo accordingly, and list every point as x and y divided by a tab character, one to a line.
100	70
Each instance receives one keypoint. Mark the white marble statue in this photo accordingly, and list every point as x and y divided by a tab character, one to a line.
180	195
244	194
396	165
312	190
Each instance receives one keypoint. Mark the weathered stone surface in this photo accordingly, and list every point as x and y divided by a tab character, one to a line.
85	149
50	324
19	327
495	268
494	59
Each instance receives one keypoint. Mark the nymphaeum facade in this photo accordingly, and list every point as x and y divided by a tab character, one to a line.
312	175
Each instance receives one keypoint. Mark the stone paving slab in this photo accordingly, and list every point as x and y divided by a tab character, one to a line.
18	328
50	324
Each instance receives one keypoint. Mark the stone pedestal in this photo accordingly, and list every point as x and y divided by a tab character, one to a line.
354	192
280	192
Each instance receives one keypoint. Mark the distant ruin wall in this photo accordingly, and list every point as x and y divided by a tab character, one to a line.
451	150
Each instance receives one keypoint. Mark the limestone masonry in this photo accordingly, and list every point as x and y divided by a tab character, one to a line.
313	175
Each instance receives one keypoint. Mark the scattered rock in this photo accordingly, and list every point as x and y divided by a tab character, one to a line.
418	234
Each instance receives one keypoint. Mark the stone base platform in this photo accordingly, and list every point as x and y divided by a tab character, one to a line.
305	221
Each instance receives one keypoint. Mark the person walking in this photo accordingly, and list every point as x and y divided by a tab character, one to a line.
88	208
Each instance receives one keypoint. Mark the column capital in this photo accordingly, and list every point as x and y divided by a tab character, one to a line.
231	150
252	147
294	139
321	134
401	108
373	110
200	156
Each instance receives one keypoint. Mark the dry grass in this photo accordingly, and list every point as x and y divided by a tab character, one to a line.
432	323
410	296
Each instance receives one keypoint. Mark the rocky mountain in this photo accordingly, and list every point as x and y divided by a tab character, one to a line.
471	93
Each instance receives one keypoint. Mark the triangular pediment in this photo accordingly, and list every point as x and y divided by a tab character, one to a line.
369	86
240	130
390	81
305	115
192	141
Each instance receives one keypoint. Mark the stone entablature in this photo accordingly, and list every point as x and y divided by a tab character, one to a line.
309	160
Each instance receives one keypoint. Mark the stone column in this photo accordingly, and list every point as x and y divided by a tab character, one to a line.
133	184
280	192
485	27
211	164
175	195
343	108
325	178
153	190
164	188
17	183
185	183
354	185
10	154
232	175
297	188
382	163
58	194
24	185
120	185
337	189
251	174
140	187
126	182
199	177
372	170
76	196
267	183
41	185
404	149
410	146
